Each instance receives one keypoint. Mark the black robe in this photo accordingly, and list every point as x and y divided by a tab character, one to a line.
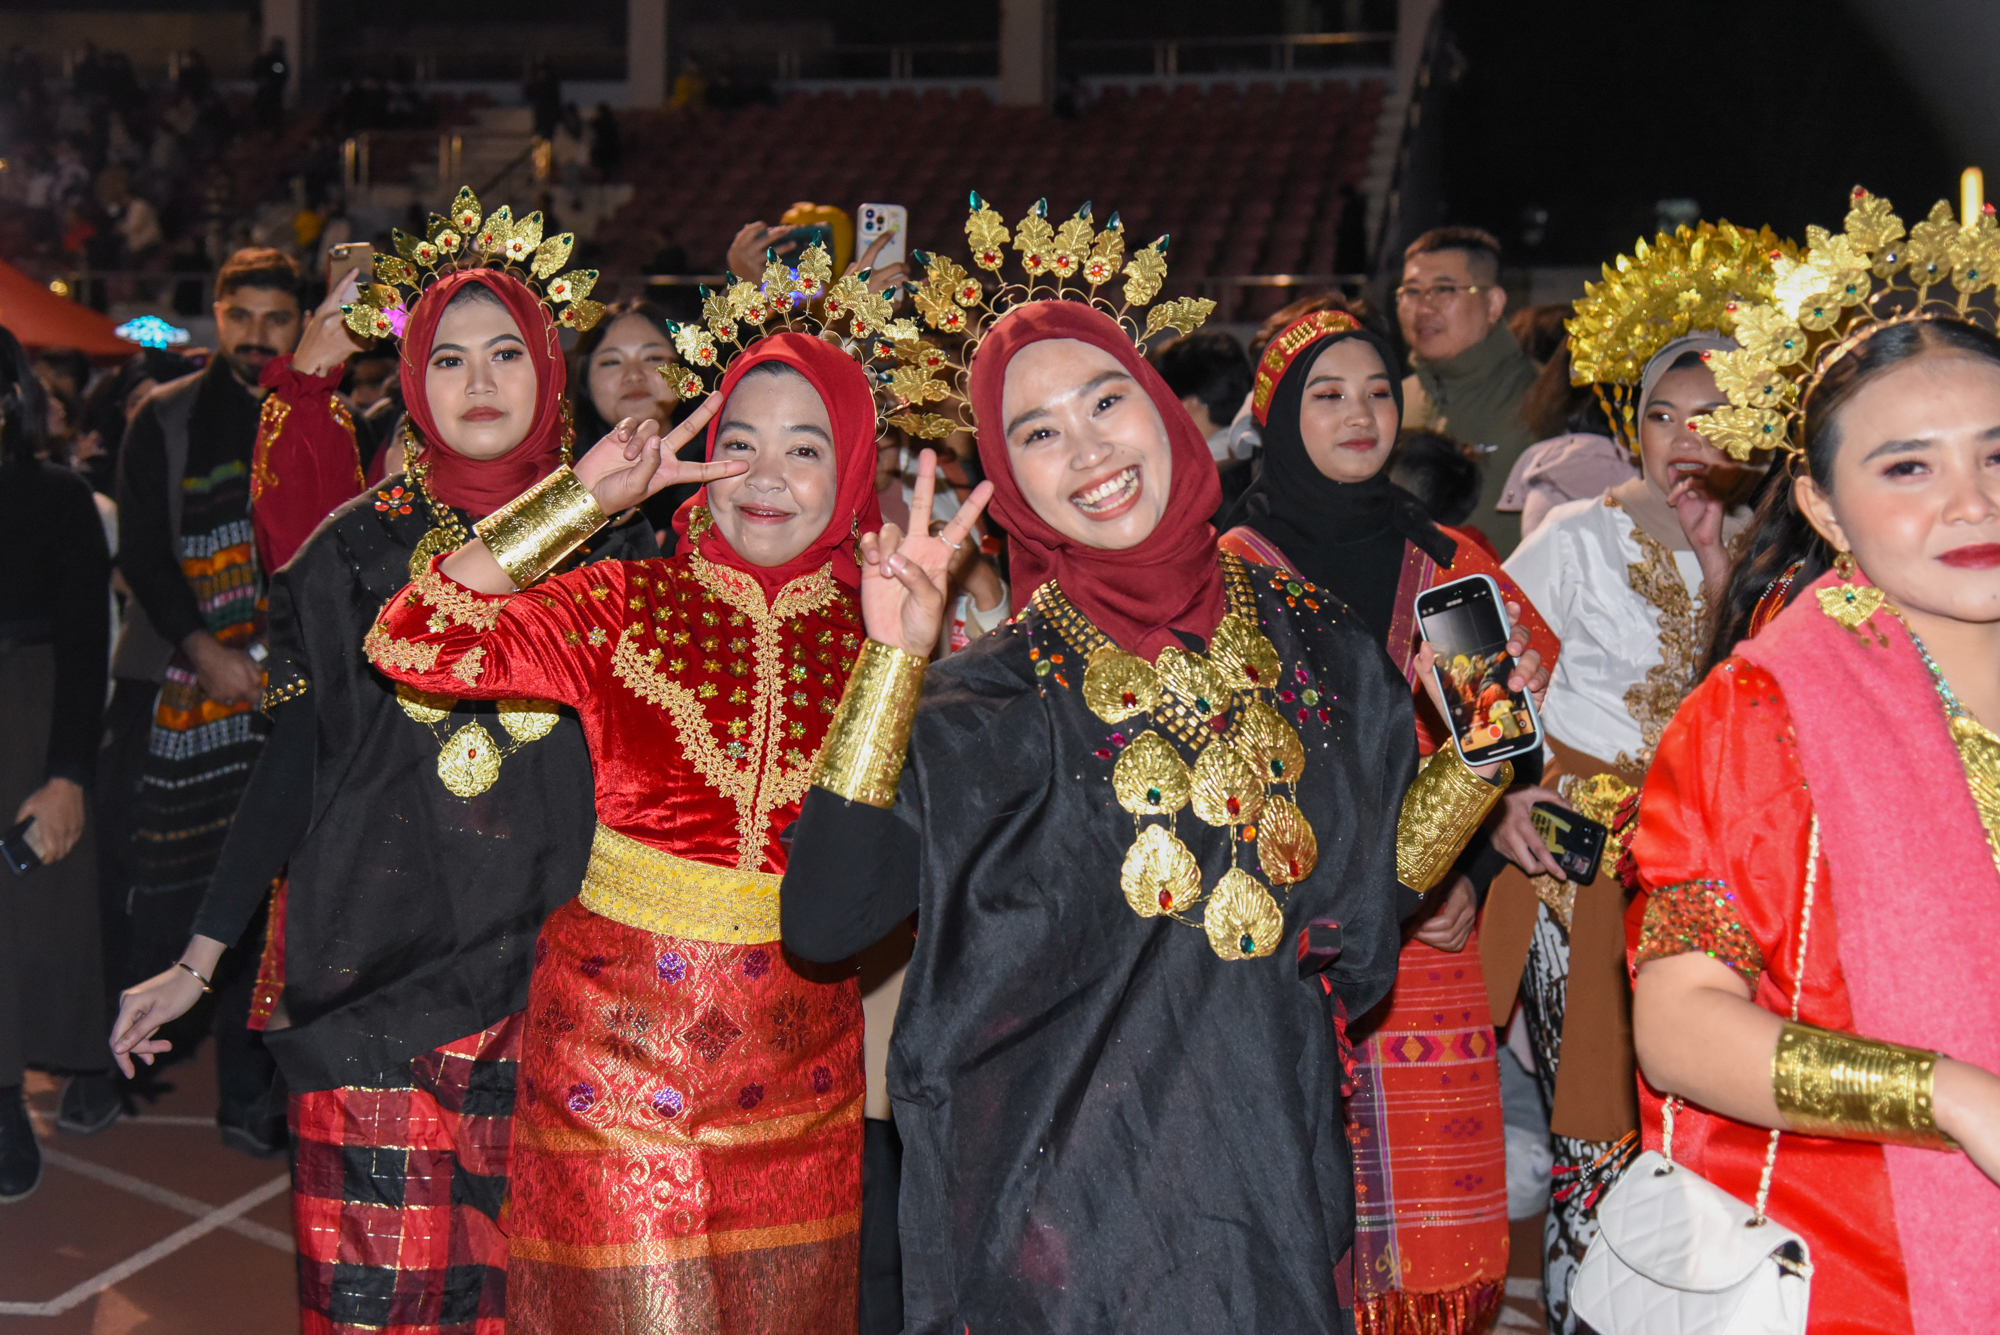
1107	1127
412	913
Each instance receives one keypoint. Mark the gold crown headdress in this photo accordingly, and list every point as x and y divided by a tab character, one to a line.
1871	273
471	238
1691	280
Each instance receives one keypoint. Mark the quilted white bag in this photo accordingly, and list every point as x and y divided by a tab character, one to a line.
1677	1255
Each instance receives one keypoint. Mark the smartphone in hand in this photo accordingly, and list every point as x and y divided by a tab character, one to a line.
1466	624
21	848
1577	842
878	221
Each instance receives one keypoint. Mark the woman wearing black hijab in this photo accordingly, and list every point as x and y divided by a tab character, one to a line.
1430	1245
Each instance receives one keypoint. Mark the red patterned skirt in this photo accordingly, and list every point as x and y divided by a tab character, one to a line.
687	1139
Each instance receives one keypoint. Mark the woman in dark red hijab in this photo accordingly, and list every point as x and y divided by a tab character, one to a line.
1150	829
689	1114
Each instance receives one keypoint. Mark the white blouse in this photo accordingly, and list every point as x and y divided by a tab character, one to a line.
1628	613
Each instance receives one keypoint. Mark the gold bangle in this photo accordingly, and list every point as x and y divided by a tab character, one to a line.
530	534
1444	806
183	964
862	757
1828	1083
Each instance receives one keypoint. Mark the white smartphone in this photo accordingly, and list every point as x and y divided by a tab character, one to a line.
879	220
1466	623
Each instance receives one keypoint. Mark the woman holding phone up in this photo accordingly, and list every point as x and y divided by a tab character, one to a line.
1821	830
1431	1222
1626	579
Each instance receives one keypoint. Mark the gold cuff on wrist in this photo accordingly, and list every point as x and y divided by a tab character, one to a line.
1834	1084
1444	806
530	534
862	758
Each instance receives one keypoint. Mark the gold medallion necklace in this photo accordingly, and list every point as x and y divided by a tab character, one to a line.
468	758
1244	778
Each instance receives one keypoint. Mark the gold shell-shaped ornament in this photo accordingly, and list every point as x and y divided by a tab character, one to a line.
470	761
422	706
1286	848
527	720
1117	685
1160	875
1243	922
433	542
1244	655
1150	777
1270	744
1227	790
1194	679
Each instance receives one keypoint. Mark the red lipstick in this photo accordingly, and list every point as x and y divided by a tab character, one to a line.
1978	556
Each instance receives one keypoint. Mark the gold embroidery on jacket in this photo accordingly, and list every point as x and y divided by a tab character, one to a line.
1651	702
464	608
386	651
468	667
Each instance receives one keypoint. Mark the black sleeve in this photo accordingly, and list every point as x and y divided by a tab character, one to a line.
271	822
852	876
146	552
79	616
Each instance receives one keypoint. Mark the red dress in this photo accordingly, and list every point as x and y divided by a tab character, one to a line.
1722	851
687	1151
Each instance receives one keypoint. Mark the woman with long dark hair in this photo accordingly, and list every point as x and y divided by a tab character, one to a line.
53	646
1816	981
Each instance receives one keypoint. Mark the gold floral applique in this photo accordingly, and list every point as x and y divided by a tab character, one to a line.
1651	701
463	607
468	667
384	650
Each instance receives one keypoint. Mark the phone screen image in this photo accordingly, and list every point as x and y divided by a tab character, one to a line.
1464	624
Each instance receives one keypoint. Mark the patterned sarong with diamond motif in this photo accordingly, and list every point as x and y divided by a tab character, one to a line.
687	1137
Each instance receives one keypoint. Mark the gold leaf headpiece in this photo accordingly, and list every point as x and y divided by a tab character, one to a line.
471	238
1871	273
1071	262
898	363
1691	280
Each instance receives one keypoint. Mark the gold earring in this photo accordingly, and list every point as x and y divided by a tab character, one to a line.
1850	604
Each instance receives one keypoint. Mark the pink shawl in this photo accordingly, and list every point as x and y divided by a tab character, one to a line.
1915	895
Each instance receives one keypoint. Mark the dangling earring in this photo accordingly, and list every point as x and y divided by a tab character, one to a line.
1851	604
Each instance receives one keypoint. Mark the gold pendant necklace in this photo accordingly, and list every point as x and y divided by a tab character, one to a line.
1244	778
468	758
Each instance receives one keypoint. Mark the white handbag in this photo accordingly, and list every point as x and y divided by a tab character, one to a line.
1677	1255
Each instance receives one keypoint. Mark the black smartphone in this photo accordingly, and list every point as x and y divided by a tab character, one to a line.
14	846
1576	841
1466	623
794	244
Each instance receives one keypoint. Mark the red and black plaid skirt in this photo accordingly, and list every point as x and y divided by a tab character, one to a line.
396	1195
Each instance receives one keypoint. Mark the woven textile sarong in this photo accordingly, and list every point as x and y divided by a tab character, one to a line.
1430	1241
688	1140
396	1195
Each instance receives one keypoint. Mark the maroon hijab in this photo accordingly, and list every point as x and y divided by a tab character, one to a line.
850	405
1139	596
481	486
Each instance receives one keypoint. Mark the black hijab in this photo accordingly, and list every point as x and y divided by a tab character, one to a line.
1345	537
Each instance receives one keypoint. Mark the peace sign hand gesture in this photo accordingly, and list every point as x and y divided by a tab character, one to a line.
903	579
634	460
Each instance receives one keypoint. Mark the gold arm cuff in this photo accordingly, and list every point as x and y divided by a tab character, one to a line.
530	534
1443	807
1828	1083
862	757
654	891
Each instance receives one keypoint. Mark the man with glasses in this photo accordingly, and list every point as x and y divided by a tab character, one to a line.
1470	373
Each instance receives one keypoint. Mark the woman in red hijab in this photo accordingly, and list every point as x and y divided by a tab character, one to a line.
425	835
688	1124
1151	830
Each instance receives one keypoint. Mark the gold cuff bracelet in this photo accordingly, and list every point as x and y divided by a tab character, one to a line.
1833	1084
530	534
1444	806
862	757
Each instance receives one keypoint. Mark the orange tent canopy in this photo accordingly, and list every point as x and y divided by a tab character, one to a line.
41	319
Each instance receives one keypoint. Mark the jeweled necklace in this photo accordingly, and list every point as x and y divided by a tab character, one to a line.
1244	778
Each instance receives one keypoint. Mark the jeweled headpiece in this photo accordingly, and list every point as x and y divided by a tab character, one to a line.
1072	261
1283	350
471	238
1872	273
1691	280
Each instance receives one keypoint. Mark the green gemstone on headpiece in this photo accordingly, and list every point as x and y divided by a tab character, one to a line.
1247	944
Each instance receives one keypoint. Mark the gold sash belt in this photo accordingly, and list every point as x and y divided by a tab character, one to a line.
642	887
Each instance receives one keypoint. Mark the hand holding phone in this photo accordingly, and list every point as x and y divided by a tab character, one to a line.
353	257
1474	666
1576	841
879	221
21	847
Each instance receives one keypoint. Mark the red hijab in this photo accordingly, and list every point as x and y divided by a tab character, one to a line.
843	387
1141	595
481	486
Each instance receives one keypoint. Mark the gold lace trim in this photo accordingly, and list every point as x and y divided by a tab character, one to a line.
654	891
761	783
384	650
468	667
461	605
1979	753
1651	702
